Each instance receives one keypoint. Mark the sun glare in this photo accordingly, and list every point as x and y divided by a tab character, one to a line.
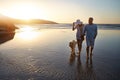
26	12
26	29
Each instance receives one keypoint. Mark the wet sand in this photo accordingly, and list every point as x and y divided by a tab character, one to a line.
45	55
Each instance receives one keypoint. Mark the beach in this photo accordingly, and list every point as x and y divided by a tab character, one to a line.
42	52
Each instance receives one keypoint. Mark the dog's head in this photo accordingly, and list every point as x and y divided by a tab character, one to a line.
72	45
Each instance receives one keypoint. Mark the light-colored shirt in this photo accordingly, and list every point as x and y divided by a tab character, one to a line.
79	30
90	31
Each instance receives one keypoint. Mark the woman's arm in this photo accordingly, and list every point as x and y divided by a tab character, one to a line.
73	26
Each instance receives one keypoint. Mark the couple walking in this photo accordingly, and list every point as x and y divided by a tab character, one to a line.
90	30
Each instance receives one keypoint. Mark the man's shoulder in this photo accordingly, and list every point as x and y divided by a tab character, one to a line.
95	24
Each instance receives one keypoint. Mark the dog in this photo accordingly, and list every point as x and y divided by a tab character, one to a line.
72	45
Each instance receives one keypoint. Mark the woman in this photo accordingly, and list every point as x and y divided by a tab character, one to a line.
79	35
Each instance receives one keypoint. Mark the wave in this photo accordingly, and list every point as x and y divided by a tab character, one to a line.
67	26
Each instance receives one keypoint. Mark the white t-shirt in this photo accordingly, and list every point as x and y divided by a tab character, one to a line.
79	30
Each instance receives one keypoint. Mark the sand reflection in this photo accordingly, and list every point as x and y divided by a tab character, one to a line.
89	69
83	72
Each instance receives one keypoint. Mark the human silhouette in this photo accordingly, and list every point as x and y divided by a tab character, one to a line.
79	35
91	32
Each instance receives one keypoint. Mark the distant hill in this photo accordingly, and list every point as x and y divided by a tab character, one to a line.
32	21
20	21
7	23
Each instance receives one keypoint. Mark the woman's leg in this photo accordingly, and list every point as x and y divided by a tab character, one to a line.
79	45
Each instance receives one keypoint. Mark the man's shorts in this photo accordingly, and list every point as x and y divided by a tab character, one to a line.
90	42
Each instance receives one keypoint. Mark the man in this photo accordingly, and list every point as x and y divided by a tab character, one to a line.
91	32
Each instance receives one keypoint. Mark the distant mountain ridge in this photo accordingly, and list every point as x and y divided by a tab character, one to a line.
32	21
7	23
21	21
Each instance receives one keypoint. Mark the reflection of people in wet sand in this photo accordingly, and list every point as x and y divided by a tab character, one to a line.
83	73
86	73
79	35
80	69
89	71
91	32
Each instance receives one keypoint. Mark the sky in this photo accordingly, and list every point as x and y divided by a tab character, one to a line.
63	11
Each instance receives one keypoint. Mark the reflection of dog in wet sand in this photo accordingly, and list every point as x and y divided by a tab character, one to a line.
72	45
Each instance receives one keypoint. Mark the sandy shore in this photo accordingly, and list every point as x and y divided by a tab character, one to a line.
45	55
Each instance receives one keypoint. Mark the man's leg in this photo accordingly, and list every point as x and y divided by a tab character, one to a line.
91	50
87	50
92	47
88	46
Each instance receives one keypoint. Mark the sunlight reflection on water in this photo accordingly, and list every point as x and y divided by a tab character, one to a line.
28	33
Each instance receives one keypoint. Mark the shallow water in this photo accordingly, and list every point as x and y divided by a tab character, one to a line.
37	52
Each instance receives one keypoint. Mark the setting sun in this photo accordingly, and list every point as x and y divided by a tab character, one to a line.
25	11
